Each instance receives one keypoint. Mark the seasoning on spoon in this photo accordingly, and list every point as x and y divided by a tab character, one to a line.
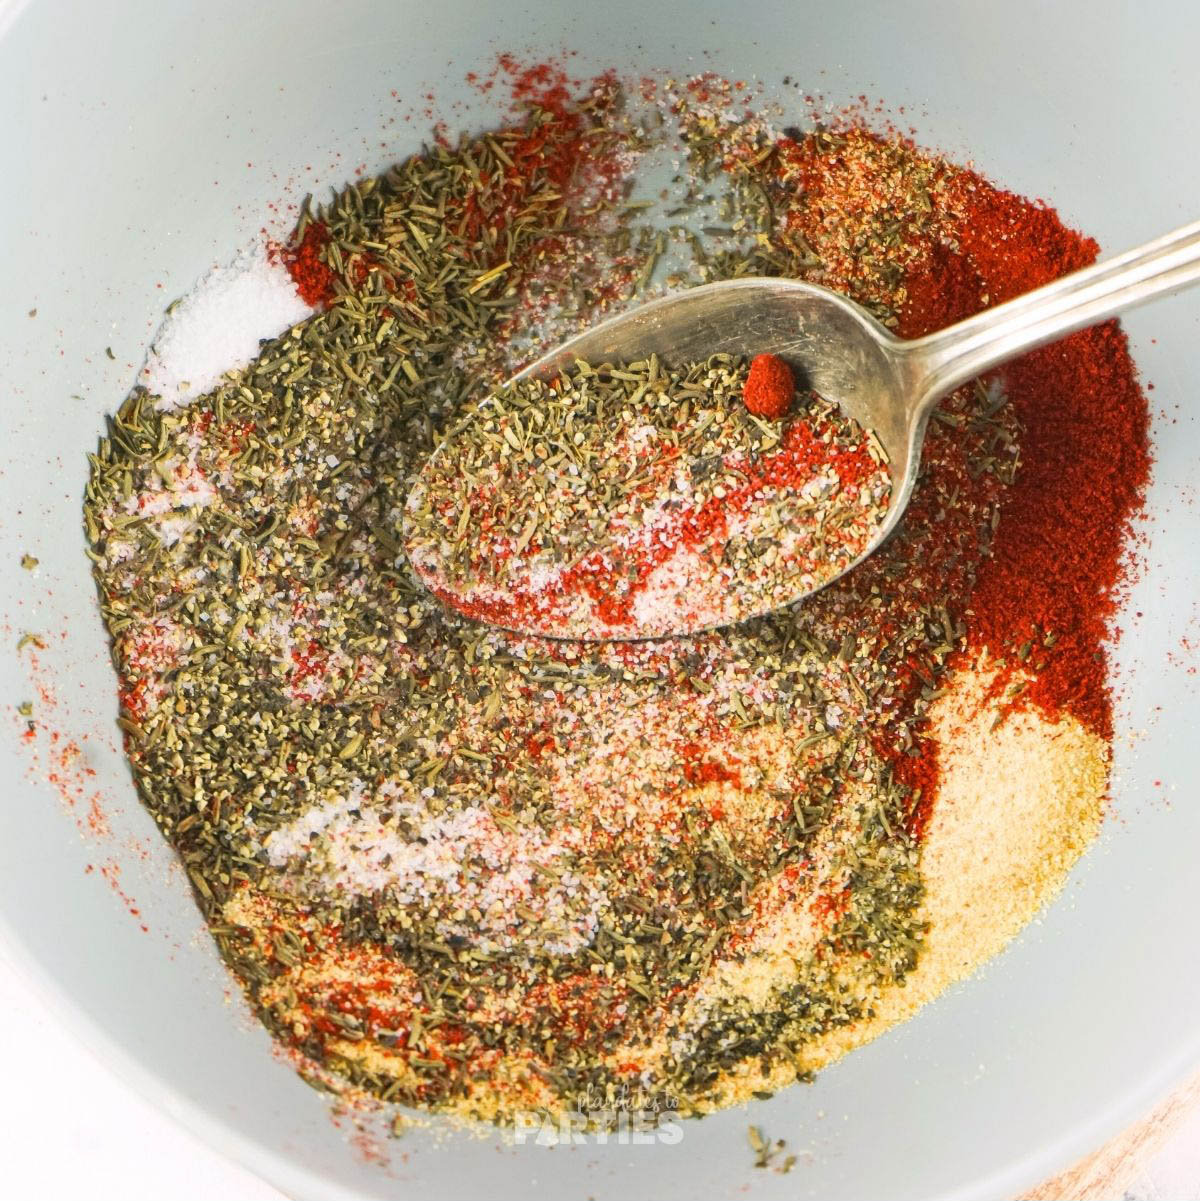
642	500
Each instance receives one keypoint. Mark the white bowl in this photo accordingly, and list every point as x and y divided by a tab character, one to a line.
145	140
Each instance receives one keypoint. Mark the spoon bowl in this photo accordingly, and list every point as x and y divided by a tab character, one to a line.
890	386
834	347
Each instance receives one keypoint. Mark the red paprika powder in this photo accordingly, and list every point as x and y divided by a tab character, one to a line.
1045	597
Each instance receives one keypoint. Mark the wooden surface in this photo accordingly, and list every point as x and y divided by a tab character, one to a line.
1107	1174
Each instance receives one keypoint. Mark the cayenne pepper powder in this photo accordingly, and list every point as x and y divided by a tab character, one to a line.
940	291
1060	545
1045	597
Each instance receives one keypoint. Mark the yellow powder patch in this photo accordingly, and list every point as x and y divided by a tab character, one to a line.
768	962
1017	805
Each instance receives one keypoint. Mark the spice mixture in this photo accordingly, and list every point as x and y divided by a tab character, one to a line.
640	501
482	873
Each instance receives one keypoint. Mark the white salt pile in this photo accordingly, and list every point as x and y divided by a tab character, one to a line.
218	325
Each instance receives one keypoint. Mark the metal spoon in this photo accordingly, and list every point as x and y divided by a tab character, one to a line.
889	385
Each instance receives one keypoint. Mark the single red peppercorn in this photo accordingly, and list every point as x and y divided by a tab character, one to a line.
769	387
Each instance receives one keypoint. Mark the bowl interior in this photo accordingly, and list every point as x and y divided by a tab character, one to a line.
147	142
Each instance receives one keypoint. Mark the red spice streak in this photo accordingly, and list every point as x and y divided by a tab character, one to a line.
828	908
919	774
941	291
313	278
543	83
802	454
613	585
1059	547
1056	562
536	745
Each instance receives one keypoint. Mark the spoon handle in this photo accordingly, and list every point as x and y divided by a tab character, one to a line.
942	361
